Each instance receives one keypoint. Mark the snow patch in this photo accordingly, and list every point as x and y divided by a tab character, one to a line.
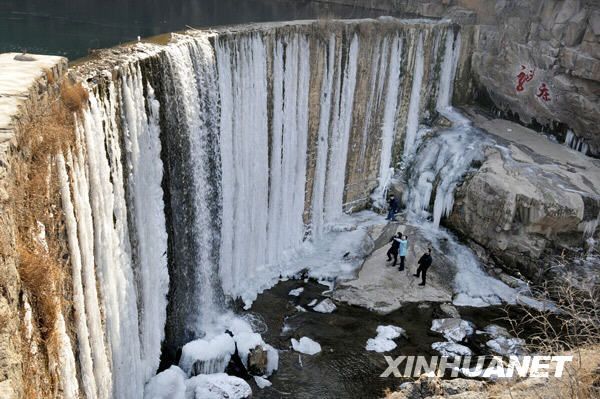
306	346
383	342
217	386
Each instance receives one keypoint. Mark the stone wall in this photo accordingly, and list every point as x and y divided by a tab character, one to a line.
554	43
24	89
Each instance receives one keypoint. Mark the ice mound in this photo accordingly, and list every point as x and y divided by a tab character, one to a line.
306	346
169	384
451	349
326	306
217	386
383	342
207	356
453	329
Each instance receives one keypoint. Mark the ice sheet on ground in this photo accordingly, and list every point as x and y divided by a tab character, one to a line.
312	303
217	386
306	346
451	349
453	329
383	342
296	292
168	384
472	285
326	306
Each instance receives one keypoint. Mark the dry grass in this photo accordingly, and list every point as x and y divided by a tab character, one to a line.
36	200
73	95
580	380
49	76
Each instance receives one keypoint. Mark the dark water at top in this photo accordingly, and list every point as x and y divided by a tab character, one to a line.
72	27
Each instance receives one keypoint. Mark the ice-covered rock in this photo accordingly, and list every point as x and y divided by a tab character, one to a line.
506	346
207	356
326	306
451	349
168	384
453	329
495	330
297	291
383	342
217	386
247	342
306	345
262	382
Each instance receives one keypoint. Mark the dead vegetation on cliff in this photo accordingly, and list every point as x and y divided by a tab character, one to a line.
39	227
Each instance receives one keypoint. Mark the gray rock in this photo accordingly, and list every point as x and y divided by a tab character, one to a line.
450	310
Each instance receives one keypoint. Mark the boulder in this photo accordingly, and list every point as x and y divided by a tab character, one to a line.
257	361
450	310
523	203
453	329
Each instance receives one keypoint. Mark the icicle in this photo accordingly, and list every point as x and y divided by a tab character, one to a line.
388	127
414	106
327	93
145	168
340	136
85	355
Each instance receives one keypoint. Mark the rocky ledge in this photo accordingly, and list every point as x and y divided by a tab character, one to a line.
531	197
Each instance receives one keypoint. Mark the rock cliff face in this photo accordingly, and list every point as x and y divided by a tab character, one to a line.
554	44
529	196
26	90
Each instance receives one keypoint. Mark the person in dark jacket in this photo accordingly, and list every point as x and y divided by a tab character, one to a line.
393	208
393	251
424	264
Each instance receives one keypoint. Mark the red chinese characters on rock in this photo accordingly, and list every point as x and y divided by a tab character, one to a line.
524	77
543	92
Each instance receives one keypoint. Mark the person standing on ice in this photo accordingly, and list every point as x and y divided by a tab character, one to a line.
403	250
424	264
393	251
393	207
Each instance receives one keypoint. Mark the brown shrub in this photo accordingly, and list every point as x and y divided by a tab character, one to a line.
36	198
73	95
49	76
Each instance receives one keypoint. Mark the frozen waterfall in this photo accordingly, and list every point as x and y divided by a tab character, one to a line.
208	168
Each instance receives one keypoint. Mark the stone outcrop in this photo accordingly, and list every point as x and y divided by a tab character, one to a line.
433	388
529	196
557	41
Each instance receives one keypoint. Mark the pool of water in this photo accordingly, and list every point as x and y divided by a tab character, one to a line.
343	369
72	28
